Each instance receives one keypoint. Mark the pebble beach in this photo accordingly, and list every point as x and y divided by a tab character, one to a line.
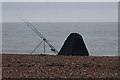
59	66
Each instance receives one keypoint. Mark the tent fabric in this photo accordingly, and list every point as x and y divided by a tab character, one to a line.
74	46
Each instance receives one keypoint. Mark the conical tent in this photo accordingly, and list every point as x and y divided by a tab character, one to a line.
74	45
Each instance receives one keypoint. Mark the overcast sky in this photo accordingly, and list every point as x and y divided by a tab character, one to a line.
61	11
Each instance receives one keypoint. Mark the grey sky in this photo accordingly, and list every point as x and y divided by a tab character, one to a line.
61	11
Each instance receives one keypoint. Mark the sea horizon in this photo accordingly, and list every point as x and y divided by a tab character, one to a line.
97	36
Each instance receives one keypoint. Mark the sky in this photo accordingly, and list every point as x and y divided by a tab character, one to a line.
60	11
60	0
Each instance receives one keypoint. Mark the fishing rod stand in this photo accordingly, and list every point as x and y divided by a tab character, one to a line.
43	41
40	35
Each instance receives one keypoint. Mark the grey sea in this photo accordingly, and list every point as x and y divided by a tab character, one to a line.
101	38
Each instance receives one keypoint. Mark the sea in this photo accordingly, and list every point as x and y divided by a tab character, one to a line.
101	38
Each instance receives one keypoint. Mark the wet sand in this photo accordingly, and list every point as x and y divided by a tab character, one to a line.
57	66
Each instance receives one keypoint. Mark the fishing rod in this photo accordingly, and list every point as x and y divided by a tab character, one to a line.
40	35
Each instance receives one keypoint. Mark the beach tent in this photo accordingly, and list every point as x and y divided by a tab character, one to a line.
74	46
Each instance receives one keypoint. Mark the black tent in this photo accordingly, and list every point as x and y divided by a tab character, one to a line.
74	46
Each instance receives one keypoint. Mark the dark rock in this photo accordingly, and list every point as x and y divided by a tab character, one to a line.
74	45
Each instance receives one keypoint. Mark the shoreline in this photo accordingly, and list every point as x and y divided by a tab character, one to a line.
57	54
59	66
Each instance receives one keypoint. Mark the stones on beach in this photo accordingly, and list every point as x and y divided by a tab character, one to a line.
74	67
8	65
74	46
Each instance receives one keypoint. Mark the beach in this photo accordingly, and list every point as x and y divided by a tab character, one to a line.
54	40
59	66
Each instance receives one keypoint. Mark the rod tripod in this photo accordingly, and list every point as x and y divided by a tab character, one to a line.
40	35
43	41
